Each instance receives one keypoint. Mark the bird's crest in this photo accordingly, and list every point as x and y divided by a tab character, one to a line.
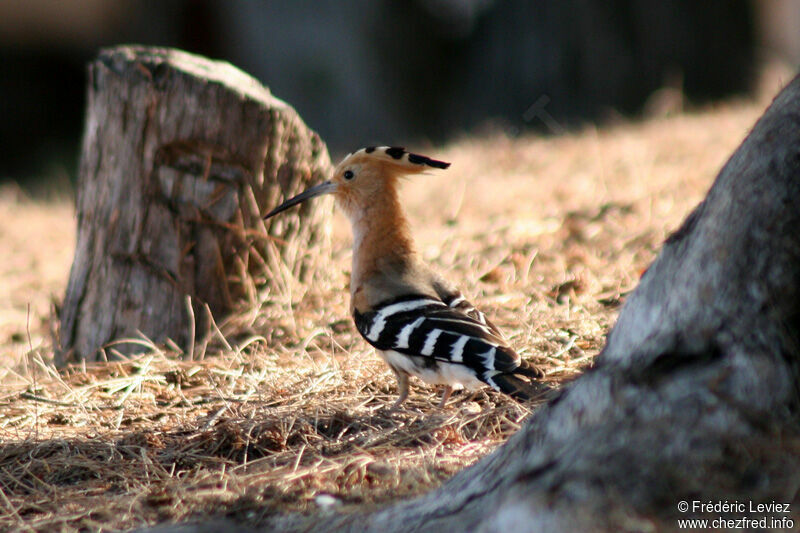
395	157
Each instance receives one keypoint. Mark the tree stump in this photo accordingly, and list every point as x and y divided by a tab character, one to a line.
181	156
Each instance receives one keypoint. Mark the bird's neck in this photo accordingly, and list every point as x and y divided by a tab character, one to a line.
382	240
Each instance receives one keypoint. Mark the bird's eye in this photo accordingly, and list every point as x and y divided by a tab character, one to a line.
348	174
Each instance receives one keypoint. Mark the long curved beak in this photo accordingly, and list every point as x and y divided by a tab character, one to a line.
317	190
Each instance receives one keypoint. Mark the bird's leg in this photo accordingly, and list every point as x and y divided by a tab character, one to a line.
402	386
447	391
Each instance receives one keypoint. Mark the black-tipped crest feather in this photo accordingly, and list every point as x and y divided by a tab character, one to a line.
397	152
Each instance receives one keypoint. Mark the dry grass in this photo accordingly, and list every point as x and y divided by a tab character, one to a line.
285	403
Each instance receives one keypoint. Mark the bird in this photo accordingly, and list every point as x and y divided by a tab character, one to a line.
418	322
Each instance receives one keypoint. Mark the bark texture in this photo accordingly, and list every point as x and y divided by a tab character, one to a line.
181	156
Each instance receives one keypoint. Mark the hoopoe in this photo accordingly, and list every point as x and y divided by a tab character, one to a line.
420	324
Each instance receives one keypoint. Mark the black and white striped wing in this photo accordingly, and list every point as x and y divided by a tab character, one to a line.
457	301
424	326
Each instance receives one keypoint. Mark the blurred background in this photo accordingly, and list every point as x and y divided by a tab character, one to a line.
397	72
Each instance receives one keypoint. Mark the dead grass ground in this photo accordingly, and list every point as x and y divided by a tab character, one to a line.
285	404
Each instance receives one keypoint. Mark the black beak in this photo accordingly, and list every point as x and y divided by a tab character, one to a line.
323	188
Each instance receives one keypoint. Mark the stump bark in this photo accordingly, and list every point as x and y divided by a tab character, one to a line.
181	156
695	398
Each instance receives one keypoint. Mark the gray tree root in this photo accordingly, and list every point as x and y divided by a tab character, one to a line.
694	398
181	156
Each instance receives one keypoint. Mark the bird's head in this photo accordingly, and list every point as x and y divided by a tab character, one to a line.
364	177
